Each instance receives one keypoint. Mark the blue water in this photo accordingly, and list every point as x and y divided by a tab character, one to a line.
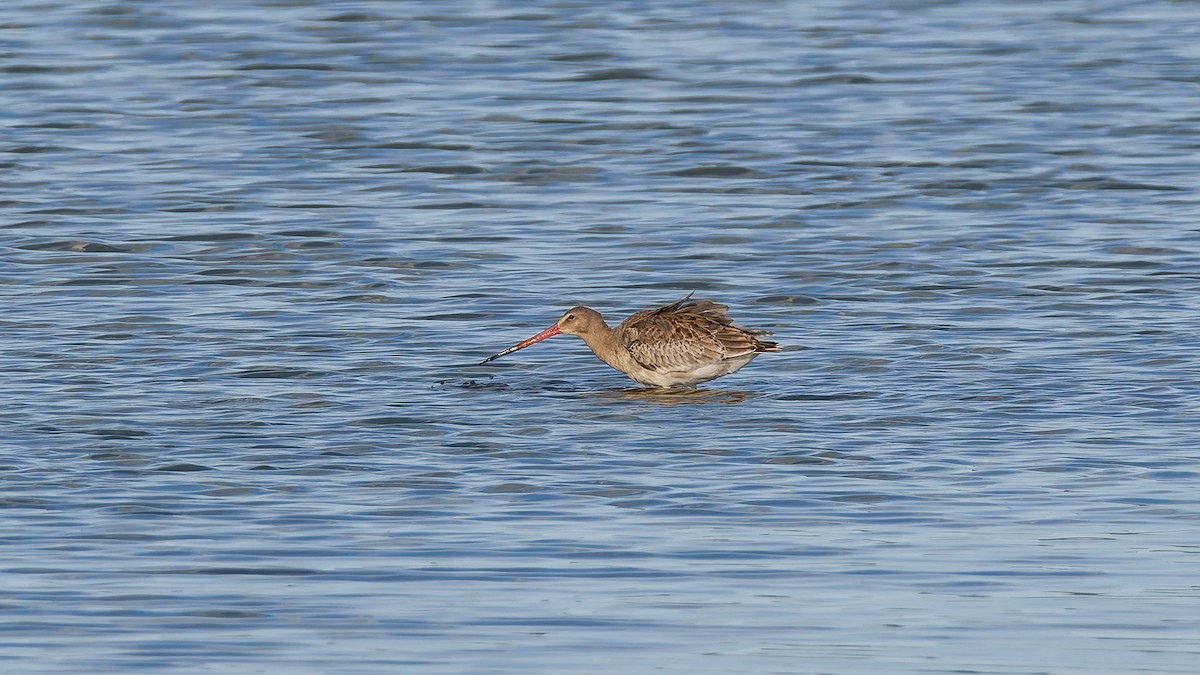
253	250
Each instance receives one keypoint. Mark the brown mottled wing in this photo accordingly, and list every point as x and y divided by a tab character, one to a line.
686	335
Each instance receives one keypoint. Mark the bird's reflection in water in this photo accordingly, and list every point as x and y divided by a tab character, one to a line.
677	396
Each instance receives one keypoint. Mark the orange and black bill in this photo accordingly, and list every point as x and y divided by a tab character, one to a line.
548	333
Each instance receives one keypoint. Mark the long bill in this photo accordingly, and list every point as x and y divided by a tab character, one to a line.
548	333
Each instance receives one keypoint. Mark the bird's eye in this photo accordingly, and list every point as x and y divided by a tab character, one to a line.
570	317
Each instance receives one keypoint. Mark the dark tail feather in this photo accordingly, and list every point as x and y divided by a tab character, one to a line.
765	346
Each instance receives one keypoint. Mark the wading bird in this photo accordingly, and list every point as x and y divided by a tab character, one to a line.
677	345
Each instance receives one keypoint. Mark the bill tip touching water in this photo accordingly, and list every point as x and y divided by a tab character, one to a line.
677	345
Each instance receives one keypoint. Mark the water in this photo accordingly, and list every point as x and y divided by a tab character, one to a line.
252	251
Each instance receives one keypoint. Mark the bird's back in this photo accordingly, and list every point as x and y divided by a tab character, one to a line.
688	335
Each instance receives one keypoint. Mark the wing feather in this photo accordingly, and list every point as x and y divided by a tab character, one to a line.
686	335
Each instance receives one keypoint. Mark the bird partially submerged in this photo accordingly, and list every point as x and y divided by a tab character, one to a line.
677	345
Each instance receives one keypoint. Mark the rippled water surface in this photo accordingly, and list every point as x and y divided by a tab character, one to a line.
252	250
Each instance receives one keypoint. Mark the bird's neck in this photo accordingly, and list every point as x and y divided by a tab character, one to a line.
604	344
599	336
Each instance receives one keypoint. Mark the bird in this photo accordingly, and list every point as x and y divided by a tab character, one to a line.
678	345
